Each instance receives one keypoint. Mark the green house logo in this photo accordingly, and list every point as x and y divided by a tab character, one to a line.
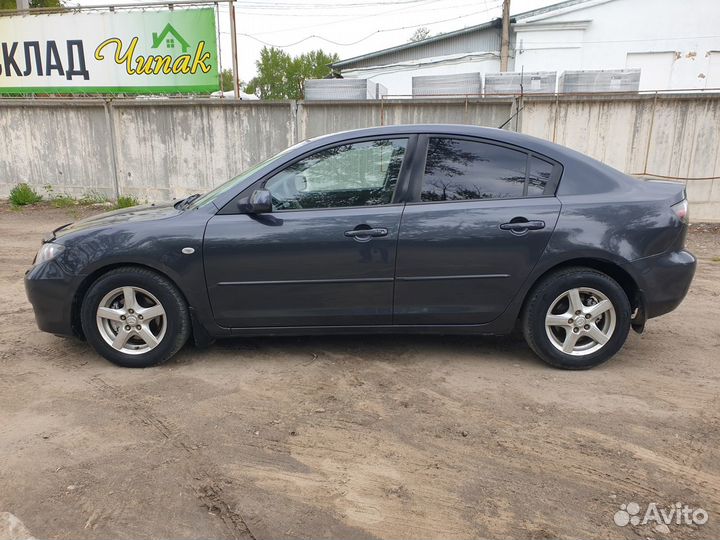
169	37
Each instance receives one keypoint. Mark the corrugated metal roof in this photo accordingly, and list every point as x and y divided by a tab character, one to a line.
483	37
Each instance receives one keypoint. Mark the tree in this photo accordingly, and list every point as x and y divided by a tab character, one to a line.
227	82
12	4
280	76
419	34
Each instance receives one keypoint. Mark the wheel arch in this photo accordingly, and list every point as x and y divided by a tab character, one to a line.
96	274
610	268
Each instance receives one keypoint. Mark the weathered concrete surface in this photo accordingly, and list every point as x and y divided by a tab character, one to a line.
677	136
168	148
319	118
157	149
43	143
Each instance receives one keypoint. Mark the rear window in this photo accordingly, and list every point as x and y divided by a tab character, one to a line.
458	169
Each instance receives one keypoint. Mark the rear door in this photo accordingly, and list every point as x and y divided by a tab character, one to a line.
482	215
325	256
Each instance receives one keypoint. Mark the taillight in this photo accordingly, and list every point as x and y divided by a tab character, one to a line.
682	211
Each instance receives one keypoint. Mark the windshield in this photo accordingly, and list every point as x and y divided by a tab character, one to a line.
210	196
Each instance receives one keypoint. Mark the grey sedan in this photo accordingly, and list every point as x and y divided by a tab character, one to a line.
407	229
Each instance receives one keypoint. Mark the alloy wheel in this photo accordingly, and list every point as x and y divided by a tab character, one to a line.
131	320
580	321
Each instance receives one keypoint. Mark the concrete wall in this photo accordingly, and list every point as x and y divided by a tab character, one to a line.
671	135
158	149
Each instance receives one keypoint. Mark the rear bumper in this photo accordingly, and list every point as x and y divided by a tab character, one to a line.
664	280
51	292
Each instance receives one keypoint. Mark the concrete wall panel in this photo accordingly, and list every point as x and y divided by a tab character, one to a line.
67	147
167	148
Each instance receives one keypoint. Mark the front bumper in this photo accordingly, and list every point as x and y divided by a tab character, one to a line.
664	280
51	291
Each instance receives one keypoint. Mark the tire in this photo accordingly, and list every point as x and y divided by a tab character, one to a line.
146	303
598	329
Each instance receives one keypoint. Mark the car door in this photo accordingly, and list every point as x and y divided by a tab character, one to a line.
325	256
482	215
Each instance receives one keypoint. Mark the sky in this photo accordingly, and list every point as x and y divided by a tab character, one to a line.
346	27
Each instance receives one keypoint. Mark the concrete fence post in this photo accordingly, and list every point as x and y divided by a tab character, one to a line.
110	123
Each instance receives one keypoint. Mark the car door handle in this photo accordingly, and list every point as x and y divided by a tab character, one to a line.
521	226
366	233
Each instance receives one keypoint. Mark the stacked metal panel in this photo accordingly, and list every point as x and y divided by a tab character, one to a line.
447	85
343	89
535	82
610	80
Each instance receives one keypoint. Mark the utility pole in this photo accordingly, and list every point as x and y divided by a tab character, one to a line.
22	4
233	41
505	45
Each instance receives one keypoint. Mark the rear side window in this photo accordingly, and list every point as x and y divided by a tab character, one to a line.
458	169
539	174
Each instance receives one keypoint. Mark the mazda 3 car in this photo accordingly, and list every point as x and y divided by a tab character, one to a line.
443	229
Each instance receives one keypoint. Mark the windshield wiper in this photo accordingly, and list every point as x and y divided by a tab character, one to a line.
187	201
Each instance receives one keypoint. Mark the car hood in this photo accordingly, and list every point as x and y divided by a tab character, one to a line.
125	215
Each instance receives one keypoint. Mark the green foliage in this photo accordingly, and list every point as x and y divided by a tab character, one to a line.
226	81
12	4
126	201
23	194
92	197
281	76
63	201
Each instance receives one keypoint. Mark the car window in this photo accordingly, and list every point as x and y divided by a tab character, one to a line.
458	169
539	173
357	174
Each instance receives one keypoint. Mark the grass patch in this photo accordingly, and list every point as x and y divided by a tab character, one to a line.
92	197
63	201
126	201
23	195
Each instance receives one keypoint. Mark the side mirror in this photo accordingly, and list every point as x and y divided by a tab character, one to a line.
259	202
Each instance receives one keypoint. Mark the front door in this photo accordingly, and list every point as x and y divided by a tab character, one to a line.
482	216
325	256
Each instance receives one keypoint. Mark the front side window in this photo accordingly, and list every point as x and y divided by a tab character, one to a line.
458	169
355	174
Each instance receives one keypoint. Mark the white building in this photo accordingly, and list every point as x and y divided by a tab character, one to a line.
675	44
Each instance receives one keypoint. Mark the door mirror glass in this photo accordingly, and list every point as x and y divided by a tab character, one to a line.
259	202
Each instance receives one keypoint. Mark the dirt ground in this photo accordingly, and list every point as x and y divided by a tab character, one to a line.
356	437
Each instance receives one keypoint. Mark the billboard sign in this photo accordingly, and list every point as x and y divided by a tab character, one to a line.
139	52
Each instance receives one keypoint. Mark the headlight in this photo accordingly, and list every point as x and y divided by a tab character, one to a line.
48	250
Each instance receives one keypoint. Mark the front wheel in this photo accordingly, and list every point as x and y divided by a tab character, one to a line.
577	318
135	317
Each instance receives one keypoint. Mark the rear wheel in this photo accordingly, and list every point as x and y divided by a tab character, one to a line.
577	318
135	317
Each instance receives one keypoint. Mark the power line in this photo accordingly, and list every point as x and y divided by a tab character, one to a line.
416	9
368	36
351	19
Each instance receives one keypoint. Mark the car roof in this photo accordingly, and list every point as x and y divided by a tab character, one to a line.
535	144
